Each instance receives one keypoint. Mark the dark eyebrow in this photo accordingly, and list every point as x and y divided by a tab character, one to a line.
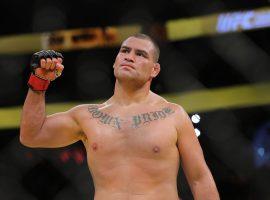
125	47
142	52
137	50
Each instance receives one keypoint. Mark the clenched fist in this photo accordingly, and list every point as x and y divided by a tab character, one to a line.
47	64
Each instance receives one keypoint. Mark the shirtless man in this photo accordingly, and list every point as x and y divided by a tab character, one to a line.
134	141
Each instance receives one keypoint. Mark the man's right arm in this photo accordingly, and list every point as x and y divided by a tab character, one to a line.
39	130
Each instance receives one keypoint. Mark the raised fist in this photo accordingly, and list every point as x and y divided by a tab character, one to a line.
47	64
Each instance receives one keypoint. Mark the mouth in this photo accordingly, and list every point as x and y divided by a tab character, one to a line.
127	66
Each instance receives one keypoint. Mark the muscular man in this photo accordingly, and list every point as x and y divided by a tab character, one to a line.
134	140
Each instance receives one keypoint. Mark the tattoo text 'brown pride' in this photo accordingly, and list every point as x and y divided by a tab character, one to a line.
137	120
103	117
151	116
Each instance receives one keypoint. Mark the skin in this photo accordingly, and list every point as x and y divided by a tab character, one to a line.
135	141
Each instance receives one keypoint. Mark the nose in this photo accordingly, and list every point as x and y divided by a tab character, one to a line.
129	57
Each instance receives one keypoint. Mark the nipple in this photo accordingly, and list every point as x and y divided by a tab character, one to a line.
94	146
156	149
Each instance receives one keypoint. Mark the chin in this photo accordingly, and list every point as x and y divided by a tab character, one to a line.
125	78
124	74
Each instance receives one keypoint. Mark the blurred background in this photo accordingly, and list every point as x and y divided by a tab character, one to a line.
215	60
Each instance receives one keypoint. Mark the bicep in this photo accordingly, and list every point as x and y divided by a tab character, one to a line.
191	153
58	130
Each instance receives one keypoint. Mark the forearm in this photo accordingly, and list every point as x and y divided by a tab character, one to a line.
33	115
205	188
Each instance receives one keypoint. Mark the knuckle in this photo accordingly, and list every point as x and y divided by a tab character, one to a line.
46	60
49	60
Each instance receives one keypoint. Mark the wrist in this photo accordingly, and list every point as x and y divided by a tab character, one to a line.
36	83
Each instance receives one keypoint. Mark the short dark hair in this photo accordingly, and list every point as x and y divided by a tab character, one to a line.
147	37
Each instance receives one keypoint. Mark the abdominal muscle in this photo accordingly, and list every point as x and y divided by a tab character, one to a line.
161	192
136	179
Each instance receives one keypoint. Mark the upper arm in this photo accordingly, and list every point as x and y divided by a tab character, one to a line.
190	151
58	130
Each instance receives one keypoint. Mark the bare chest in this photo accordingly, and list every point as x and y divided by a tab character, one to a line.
148	134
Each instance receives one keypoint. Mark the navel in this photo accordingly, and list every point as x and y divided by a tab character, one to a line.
156	149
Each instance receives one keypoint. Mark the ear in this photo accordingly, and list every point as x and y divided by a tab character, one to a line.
155	70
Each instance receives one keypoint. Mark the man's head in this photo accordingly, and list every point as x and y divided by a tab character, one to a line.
137	59
155	45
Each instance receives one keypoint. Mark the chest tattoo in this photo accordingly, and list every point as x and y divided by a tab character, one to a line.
148	117
104	118
136	120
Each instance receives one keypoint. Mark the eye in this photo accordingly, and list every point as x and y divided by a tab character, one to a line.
124	50
141	54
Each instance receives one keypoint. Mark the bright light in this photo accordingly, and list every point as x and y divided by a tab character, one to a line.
197	132
195	118
244	20
260	151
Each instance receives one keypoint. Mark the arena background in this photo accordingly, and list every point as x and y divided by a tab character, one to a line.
215	59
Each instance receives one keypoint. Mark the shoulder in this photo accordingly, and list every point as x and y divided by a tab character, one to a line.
83	108
182	120
177	109
180	116
164	103
179	112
